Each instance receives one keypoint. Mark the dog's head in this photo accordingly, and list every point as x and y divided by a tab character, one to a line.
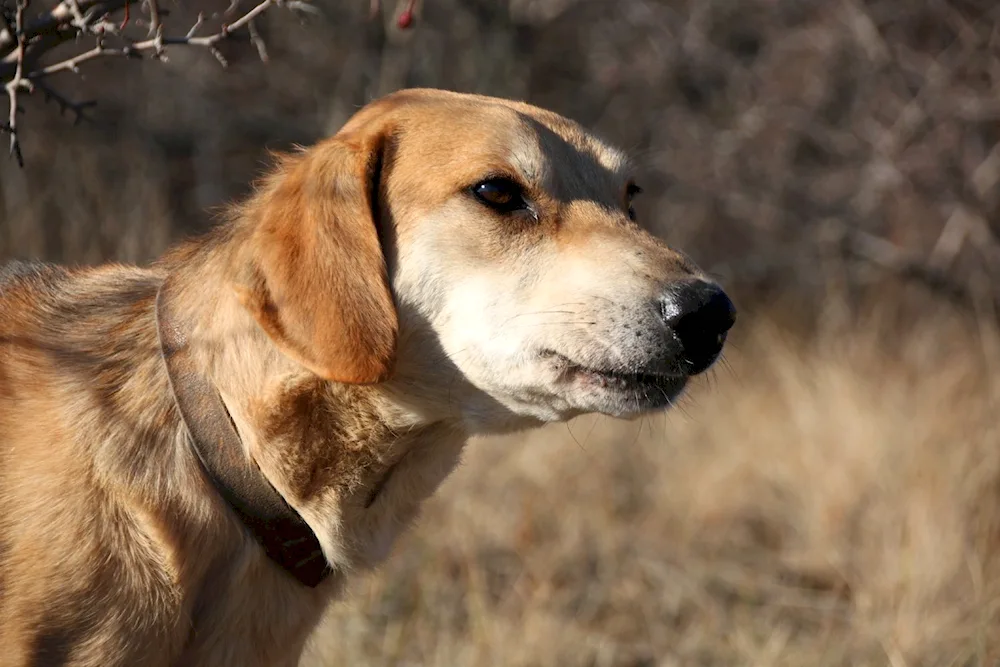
478	255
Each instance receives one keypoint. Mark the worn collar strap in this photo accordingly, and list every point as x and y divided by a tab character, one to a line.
284	535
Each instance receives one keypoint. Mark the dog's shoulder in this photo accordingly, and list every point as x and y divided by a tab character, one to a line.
26	288
90	305
14	269
40	281
18	272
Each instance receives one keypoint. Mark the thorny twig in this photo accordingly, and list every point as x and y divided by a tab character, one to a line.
21	44
14	86
405	18
154	17
78	109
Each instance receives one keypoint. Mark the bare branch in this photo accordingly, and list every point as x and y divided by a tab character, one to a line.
197	25
56	22
23	43
303	6
78	109
405	18
79	22
890	258
257	41
154	18
17	83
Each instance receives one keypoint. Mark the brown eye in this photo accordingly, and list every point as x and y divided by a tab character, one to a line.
631	190
500	194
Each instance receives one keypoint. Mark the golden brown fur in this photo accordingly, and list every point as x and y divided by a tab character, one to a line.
329	313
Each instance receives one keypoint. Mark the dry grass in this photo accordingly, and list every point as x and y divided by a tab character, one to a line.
833	503
825	503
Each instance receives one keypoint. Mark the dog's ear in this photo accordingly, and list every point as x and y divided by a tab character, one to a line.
315	277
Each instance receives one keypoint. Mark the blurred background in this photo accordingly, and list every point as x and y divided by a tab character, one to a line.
828	495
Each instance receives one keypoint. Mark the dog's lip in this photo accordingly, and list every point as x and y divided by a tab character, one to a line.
611	377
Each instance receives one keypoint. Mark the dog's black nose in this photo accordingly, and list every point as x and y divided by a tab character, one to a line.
700	314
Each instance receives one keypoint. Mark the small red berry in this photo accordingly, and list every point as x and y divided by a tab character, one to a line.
405	20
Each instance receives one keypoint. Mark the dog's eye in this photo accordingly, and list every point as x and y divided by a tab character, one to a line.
631	190
500	194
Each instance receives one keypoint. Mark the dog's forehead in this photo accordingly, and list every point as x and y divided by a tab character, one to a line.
557	142
475	134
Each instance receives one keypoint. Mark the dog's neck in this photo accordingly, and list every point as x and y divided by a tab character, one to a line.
335	452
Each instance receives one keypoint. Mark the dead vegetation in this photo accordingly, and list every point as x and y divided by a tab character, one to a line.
819	504
832	499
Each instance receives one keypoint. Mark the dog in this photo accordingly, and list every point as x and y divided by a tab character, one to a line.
196	455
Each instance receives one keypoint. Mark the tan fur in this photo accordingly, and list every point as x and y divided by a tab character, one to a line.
361	316
314	276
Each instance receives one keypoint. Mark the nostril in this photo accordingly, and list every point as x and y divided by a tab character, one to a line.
699	305
700	314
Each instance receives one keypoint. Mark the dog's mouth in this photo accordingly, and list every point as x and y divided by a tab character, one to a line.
631	389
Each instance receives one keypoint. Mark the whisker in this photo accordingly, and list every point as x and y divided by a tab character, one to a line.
572	435
560	323
728	367
603	298
638	431
539	312
593	425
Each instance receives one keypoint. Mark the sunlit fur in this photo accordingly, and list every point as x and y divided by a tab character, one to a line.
361	315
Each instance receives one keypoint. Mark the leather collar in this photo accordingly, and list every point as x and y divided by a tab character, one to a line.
280	530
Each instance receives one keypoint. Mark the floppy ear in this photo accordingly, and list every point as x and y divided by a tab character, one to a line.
317	281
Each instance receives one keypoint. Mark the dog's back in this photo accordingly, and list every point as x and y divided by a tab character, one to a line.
70	346
16	270
102	503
